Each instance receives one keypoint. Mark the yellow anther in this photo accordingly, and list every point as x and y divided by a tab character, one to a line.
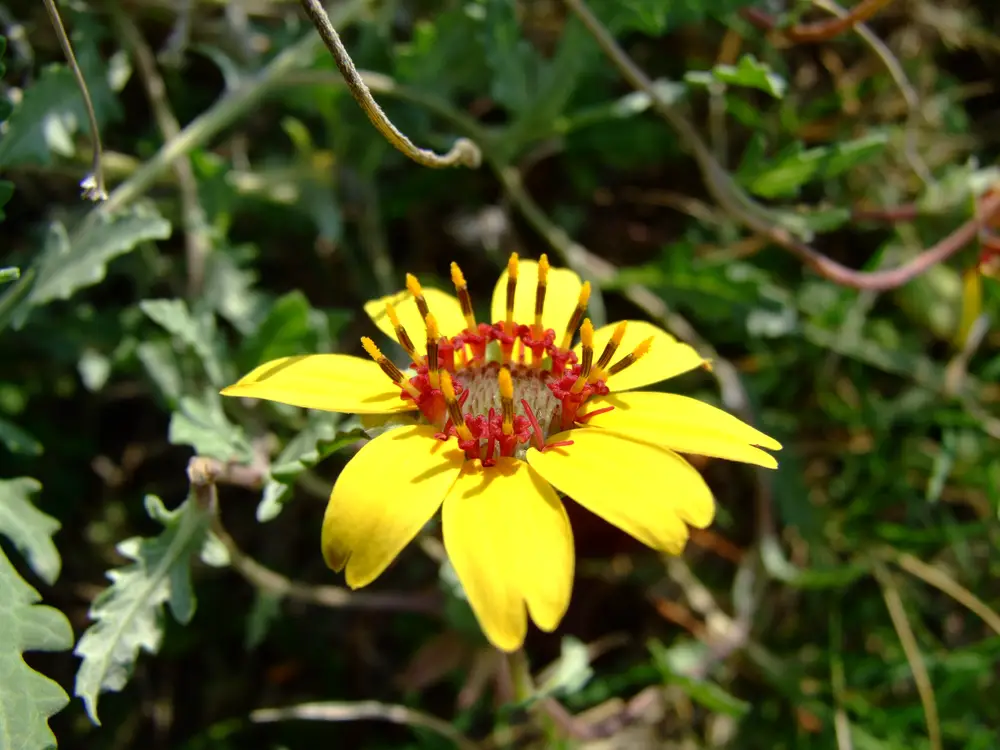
506	384
587	359
454	410
640	351
511	289
456	276
577	316
587	334
512	266
612	346
447	387
394	373
464	300
401	335
418	293
543	280
390	310
433	333
371	349
413	284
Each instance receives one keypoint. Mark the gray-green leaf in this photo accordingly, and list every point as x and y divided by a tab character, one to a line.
28	528
749	72
196	331
202	424
68	264
128	615
27	698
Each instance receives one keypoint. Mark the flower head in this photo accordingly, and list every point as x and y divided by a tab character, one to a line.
510	414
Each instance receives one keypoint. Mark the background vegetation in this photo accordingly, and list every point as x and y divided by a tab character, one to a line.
847	600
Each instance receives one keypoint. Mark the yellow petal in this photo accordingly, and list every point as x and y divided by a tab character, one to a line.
561	295
509	540
666	358
446	310
683	424
645	490
383	497
330	382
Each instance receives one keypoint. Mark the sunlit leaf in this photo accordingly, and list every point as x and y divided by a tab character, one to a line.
749	72
128	615
28	528
27	698
202	424
70	263
196	331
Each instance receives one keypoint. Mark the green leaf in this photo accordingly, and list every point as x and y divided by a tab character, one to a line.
27	698
28	528
12	273
202	424
785	174
128	615
319	439
17	440
749	72
69	264
675	665
195	331
515	65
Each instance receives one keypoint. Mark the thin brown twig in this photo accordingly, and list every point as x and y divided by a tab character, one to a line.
758	218
362	710
818	31
334	597
463	153
197	241
93	184
821	31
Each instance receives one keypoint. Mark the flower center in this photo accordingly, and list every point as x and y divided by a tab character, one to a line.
501	388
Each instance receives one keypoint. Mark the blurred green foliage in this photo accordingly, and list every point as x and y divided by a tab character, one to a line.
847	600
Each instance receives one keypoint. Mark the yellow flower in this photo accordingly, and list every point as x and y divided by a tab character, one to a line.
508	414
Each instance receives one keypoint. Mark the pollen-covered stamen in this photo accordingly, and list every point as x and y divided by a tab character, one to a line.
433	336
454	410
511	288
389	368
574	321
418	294
401	335
612	346
631	357
587	359
464	299
506	385
543	282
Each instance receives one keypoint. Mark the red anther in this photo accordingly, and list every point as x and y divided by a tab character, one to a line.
581	418
535	427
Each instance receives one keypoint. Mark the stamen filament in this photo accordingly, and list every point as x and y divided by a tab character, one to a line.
433	335
418	294
587	360
394	373
464	299
454	410
543	280
574	321
506	384
401	335
631	358
511	288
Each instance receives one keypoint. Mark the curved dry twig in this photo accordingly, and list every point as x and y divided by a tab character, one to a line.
463	153
756	217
